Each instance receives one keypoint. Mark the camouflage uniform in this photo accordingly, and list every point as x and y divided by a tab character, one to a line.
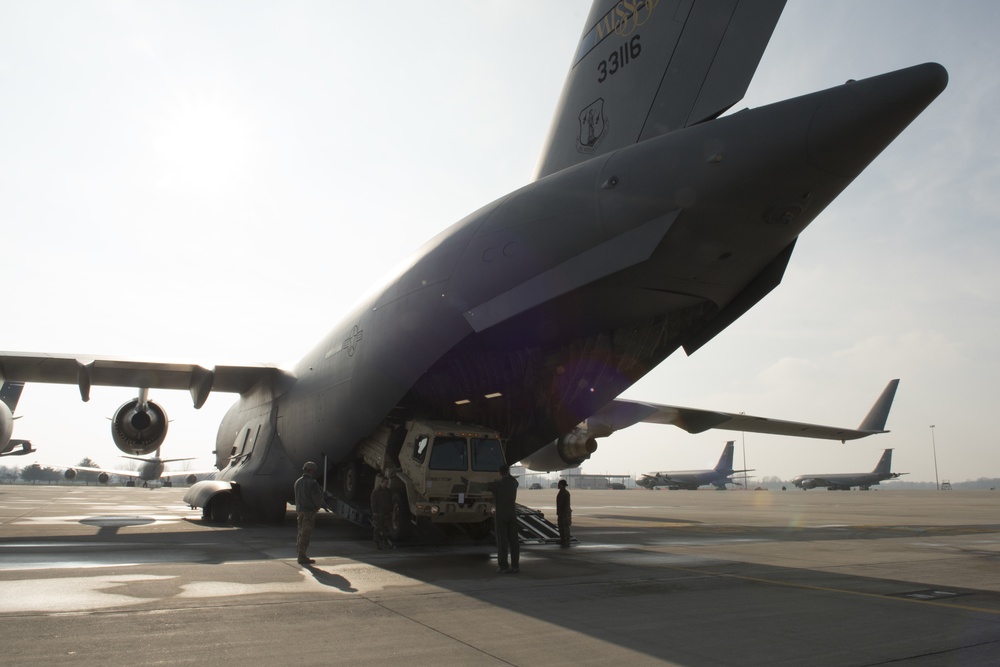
308	501
381	502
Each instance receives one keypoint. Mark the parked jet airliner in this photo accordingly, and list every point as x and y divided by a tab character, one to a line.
151	469
653	223
845	480
718	476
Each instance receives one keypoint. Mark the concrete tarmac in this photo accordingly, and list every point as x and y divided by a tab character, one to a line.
130	576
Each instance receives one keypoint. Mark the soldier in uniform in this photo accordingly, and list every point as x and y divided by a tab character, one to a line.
504	498
381	502
564	514
308	501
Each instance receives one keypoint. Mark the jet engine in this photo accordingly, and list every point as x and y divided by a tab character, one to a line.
70	474
139	427
808	484
103	478
6	425
569	451
191	479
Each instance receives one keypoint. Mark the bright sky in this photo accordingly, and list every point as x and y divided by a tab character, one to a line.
219	182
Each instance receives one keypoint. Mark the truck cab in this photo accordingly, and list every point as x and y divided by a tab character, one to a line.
429	465
436	462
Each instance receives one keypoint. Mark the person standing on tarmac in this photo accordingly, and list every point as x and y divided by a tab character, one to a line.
504	498
308	501
564	514
381	502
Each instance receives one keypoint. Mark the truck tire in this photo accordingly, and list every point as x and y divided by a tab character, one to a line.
400	526
354	481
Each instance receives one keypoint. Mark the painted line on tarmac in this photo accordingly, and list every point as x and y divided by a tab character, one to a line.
830	589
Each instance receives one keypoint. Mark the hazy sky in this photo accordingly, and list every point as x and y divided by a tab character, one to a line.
220	181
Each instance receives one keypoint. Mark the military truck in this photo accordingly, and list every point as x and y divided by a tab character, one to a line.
429	465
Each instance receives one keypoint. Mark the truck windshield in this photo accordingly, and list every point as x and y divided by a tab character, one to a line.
486	454
449	453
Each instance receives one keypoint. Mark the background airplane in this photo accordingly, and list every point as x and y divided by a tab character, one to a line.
10	393
718	476
844	481
150	469
534	313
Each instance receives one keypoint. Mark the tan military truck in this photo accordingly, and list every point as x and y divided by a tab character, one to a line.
428	464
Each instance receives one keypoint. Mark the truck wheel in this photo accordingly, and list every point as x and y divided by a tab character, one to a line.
353	480
400	527
480	532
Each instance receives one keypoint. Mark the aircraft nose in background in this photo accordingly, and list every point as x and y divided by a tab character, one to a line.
859	119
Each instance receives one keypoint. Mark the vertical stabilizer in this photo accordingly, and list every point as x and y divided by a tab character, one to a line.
884	466
644	68
726	460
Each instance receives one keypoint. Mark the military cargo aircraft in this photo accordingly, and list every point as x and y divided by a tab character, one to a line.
845	480
653	223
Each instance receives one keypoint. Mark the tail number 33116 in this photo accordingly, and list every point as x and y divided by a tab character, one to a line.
616	60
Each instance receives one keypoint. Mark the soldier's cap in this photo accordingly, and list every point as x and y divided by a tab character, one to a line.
309	466
562	483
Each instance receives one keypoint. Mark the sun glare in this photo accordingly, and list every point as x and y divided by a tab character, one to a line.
202	145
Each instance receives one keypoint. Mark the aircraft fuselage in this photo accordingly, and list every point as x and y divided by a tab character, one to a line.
533	312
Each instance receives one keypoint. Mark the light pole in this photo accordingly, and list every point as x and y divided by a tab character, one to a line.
744	437
934	449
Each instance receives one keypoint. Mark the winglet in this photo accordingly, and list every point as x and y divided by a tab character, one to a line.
875	419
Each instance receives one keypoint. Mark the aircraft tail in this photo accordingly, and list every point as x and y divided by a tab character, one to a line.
10	393
644	68
726	460
875	419
884	466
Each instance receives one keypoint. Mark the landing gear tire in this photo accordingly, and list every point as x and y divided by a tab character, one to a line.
400	524
218	509
275	513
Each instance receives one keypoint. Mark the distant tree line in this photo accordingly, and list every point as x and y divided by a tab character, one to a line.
36	473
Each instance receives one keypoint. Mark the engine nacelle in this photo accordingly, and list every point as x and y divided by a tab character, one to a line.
191	479
808	484
6	425
70	474
103	478
569	451
139	430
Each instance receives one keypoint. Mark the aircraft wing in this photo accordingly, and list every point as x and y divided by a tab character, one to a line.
87	370
621	413
109	471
